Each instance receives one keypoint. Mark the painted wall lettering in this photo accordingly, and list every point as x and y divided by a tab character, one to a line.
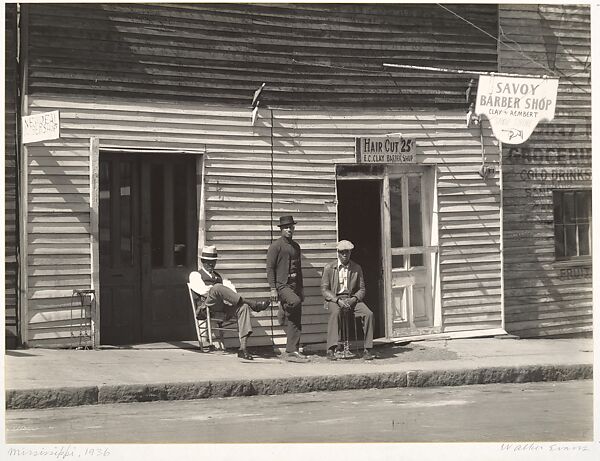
548	155
541	174
573	273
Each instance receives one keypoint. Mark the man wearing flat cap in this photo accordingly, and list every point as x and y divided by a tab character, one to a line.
219	295
284	273
343	287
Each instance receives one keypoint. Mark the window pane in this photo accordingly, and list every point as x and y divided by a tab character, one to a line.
126	214
396	212
179	213
157	212
569	207
584	239
416	260
104	209
558	207
398	261
584	206
559	237
414	210
571	233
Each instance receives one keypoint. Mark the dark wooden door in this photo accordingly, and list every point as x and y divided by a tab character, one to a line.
120	257
148	246
169	248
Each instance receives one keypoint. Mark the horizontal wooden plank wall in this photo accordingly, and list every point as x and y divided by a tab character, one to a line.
543	296
11	231
310	55
306	146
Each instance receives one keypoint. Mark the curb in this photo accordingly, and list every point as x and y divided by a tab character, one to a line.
92	395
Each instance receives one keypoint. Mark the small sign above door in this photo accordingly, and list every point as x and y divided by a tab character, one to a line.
385	149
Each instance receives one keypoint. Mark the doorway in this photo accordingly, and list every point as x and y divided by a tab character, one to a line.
359	220
147	246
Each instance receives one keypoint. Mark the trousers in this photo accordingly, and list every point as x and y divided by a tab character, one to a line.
223	299
333	327
291	305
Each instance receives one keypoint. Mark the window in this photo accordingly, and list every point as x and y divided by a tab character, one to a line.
572	223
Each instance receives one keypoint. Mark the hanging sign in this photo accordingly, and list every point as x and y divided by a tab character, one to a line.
41	127
515	105
385	149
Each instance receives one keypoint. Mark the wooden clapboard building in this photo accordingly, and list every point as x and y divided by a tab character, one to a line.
547	181
159	154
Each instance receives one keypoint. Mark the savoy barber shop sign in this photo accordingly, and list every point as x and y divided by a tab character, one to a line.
386	149
515	105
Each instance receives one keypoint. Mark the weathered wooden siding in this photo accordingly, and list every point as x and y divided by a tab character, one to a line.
242	207
544	296
10	176
325	55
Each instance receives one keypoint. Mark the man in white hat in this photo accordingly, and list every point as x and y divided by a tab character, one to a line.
343	287
219	295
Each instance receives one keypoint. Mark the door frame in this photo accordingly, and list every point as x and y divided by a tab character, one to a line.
383	174
95	150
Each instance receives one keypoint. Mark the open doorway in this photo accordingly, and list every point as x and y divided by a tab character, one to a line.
359	220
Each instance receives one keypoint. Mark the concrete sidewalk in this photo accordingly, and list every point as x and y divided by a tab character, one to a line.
41	378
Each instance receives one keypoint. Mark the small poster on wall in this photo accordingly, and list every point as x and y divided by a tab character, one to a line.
41	127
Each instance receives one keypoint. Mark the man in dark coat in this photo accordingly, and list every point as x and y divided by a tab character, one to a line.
219	295
284	273
343	287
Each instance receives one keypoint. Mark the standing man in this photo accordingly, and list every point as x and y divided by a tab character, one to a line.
284	273
343	287
219	295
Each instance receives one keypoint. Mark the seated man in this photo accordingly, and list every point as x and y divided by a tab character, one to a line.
220	296
343	287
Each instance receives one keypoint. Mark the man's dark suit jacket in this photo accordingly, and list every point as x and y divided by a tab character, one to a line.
330	283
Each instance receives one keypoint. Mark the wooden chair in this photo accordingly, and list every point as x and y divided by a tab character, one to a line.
206	327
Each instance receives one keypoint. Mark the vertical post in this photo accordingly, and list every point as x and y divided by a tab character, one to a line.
200	162
23	218
94	238
386	241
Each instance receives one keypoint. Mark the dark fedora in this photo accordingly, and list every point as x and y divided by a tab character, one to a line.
286	221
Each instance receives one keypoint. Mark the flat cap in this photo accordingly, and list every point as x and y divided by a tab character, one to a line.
344	245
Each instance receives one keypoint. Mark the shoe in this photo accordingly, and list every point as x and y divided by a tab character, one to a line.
367	355
260	306
243	354
295	357
331	355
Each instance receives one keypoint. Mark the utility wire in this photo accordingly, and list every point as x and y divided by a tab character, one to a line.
496	39
537	63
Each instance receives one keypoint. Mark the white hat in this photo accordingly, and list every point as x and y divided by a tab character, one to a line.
209	252
344	245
